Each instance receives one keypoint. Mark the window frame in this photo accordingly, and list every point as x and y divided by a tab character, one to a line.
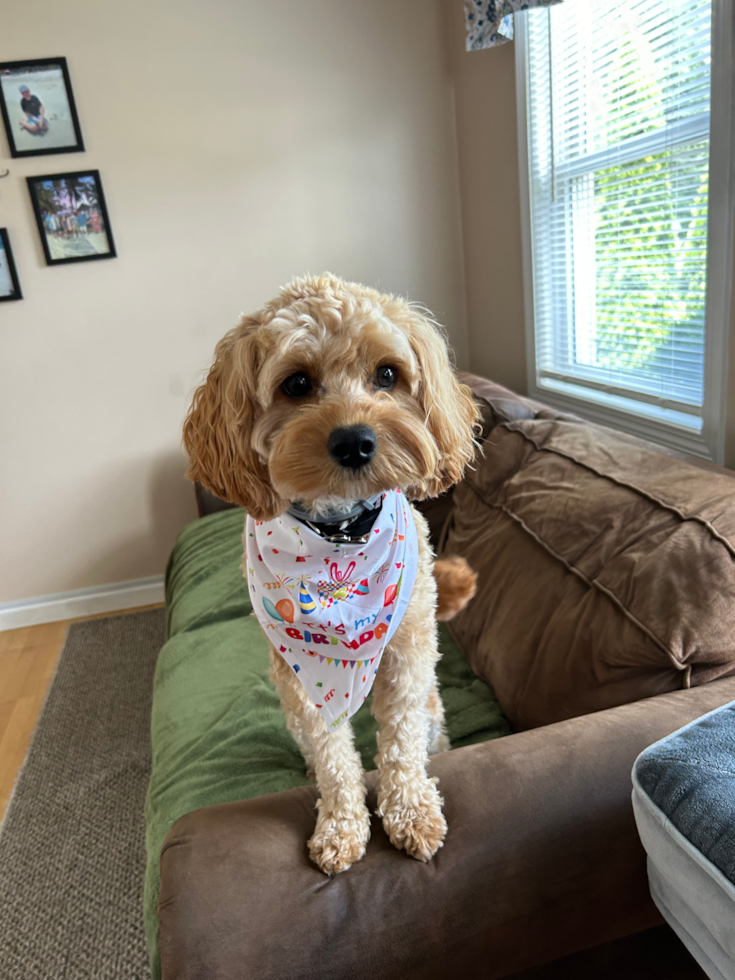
638	417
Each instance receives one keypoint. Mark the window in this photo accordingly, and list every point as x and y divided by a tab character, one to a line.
622	297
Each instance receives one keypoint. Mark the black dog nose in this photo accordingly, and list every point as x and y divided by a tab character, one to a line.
353	446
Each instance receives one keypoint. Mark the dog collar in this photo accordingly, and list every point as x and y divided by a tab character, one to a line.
346	527
335	516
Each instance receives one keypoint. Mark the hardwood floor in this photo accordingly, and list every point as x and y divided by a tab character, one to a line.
27	660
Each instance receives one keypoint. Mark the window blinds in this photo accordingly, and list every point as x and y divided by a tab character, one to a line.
618	103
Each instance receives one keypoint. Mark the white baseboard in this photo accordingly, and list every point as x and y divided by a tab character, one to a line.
82	602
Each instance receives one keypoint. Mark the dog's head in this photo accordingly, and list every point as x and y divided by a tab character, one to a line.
330	393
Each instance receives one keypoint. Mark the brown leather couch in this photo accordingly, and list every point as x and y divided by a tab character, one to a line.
605	619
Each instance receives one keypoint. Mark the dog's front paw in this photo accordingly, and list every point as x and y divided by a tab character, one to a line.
418	826
339	842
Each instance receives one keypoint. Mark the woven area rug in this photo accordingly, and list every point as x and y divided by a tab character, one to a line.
72	846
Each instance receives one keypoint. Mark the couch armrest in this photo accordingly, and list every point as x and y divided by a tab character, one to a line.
542	859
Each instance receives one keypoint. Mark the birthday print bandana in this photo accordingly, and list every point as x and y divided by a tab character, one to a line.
331	609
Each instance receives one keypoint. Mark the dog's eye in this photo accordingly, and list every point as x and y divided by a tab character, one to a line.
386	377
297	385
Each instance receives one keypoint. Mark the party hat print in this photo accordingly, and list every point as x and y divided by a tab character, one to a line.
306	603
363	588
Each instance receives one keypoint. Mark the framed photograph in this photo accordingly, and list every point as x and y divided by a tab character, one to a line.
9	285
72	217
38	108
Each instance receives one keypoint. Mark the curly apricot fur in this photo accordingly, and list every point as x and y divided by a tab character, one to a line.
251	444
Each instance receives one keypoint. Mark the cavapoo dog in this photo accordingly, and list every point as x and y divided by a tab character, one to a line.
323	415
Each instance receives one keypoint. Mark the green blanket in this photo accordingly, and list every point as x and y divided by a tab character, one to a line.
218	734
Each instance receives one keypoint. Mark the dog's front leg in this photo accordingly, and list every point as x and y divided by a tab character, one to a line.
343	823
408	800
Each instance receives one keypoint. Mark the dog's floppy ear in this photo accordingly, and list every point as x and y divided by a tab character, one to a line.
452	415
218	427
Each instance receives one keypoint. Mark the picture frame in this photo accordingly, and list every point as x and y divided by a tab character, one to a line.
9	283
44	119
72	217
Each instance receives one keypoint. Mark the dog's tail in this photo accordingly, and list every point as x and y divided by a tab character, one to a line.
456	584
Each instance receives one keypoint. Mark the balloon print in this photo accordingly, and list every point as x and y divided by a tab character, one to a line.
271	610
285	609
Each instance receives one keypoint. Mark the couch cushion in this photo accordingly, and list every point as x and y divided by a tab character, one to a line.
690	778
684	800
498	404
606	569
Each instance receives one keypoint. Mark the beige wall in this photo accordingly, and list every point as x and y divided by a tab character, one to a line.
240	143
487	141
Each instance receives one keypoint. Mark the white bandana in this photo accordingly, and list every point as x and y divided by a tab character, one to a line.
321	602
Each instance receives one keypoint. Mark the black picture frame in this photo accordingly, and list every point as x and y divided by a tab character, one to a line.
70	239
14	73
8	251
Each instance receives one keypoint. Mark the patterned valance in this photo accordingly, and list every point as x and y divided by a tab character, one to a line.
490	22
